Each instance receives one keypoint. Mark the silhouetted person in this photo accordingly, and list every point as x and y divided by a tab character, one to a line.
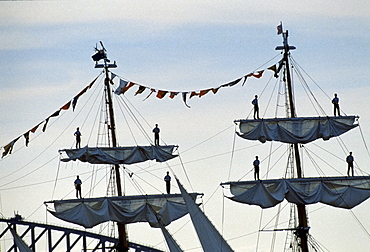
335	102
256	108
156	135
78	184
256	164
167	178
78	138
350	159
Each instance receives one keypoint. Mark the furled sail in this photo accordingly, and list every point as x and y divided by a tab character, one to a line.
296	130
163	208
343	192
209	237
120	155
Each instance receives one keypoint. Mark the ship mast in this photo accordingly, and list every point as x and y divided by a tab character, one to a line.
122	235
302	229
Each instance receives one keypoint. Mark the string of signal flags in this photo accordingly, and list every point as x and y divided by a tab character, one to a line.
125	85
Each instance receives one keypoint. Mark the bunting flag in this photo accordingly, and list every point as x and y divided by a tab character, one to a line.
125	85
279	29
184	98
27	137
66	106
151	92
161	94
140	90
74	102
9	147
173	94
33	130
56	113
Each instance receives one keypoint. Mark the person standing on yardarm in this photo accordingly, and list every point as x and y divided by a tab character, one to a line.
335	102
78	138
78	184
167	178
256	108
156	135
350	159
256	165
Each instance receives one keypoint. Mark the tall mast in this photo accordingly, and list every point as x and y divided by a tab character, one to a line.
122	235
302	229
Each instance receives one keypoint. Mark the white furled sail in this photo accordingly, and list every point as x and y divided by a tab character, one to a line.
21	245
171	242
120	155
163	208
295	130
209	237
343	192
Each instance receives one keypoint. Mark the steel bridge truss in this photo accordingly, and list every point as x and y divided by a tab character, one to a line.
61	238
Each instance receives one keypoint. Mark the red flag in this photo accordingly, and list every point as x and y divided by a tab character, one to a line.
161	94
279	29
66	106
193	93
204	92
258	74
173	94
130	84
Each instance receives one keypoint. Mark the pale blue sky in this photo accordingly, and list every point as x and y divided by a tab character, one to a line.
45	50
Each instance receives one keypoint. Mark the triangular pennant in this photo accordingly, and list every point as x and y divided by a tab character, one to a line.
27	137
161	94
215	90
274	69
245	78
130	84
193	93
232	83
204	92
66	106
92	83
46	123
9	147
140	90
258	74
74	102
122	85
151	92
112	76
33	130
173	94
184	98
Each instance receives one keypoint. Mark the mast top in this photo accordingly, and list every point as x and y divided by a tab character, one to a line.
102	55
285	45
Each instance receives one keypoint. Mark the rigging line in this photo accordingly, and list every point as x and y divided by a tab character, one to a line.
144	132
201	159
56	179
40	153
267	62
317	167
274	217
186	174
275	227
91	107
129	127
360	224
138	124
263	160
304	84
208	139
138	112
25	175
272	92
232	154
363	139
259	233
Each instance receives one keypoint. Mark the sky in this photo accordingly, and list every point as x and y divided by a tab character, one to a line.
45	52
